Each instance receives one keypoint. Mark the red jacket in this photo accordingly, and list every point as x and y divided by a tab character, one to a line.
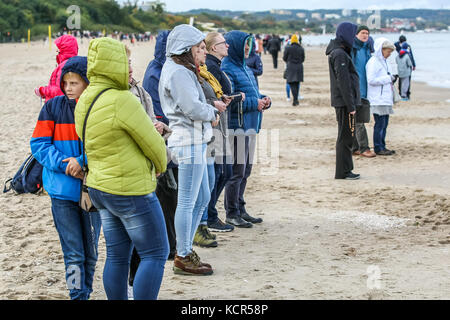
68	48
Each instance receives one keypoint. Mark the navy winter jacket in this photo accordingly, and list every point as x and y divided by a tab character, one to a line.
242	79
153	73
255	64
55	139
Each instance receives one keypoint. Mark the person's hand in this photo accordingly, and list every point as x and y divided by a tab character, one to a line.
37	92
243	96
220	105
268	101
158	174
216	122
159	126
73	167
80	176
353	113
261	104
226	99
414	68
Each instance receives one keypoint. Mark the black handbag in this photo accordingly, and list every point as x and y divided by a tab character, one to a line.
363	112
85	202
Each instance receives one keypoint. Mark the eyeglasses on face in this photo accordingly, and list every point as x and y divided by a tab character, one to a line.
220	43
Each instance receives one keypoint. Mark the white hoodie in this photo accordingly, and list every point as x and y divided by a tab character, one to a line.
379	82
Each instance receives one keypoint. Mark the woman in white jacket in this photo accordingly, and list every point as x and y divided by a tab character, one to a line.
380	93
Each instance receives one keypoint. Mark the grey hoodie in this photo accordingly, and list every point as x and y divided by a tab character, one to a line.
182	97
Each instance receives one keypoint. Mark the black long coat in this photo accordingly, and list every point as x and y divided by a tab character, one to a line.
294	56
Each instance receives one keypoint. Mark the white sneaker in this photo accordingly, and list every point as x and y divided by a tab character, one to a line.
301	98
288	99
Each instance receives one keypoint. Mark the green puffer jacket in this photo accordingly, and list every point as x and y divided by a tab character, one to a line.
123	148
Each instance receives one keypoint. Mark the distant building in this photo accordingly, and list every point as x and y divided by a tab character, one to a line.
301	15
281	12
148	5
316	15
331	16
346	12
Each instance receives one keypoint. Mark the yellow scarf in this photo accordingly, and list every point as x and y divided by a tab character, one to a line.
215	84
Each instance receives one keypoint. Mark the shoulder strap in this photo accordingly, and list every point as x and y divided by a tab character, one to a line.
84	127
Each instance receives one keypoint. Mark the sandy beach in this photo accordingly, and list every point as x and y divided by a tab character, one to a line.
386	236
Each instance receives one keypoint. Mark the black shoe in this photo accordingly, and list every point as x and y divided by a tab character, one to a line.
250	219
171	255
385	153
220	226
352	176
238	222
391	151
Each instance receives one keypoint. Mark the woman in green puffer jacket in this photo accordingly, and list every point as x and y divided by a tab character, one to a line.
125	153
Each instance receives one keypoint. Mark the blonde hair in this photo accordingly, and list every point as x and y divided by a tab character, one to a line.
73	75
210	40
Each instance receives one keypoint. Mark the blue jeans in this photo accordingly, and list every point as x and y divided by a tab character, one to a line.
211	182
223	173
288	90
193	194
379	132
79	244
128	221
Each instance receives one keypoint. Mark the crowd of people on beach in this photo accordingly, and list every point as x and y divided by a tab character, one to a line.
155	159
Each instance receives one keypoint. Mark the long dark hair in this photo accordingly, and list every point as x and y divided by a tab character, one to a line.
187	60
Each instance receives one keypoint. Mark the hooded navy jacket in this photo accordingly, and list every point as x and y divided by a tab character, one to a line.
153	73
242	79
55	139
254	63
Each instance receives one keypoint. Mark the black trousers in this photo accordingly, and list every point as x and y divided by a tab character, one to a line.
167	195
275	59
344	161
295	87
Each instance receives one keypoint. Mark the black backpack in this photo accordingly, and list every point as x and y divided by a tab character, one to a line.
28	178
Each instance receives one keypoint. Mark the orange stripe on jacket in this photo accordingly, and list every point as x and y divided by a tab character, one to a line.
65	132
44	129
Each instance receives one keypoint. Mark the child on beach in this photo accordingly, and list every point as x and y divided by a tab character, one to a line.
67	48
405	67
55	144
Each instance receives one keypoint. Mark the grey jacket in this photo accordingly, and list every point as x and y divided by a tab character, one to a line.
404	66
220	144
182	97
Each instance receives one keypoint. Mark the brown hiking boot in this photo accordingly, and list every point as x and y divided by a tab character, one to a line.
191	265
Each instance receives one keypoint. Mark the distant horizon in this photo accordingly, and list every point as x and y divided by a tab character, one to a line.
180	6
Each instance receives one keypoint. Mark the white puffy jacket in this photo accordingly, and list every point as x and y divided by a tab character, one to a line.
379	82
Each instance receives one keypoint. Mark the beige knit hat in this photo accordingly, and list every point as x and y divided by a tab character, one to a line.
388	45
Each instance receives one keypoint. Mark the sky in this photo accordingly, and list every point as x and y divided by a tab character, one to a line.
264	5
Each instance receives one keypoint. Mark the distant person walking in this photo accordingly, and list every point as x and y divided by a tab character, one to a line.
380	93
294	56
345	95
361	53
405	66
399	45
255	64
274	46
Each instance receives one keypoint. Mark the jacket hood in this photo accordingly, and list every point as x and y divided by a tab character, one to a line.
160	47
67	46
236	41
182	38
378	47
346	32
108	63
76	65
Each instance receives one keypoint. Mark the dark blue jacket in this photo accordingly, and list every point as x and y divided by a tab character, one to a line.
255	64
55	139
242	79
153	73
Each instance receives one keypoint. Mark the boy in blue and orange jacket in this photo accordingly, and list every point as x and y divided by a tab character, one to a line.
55	144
